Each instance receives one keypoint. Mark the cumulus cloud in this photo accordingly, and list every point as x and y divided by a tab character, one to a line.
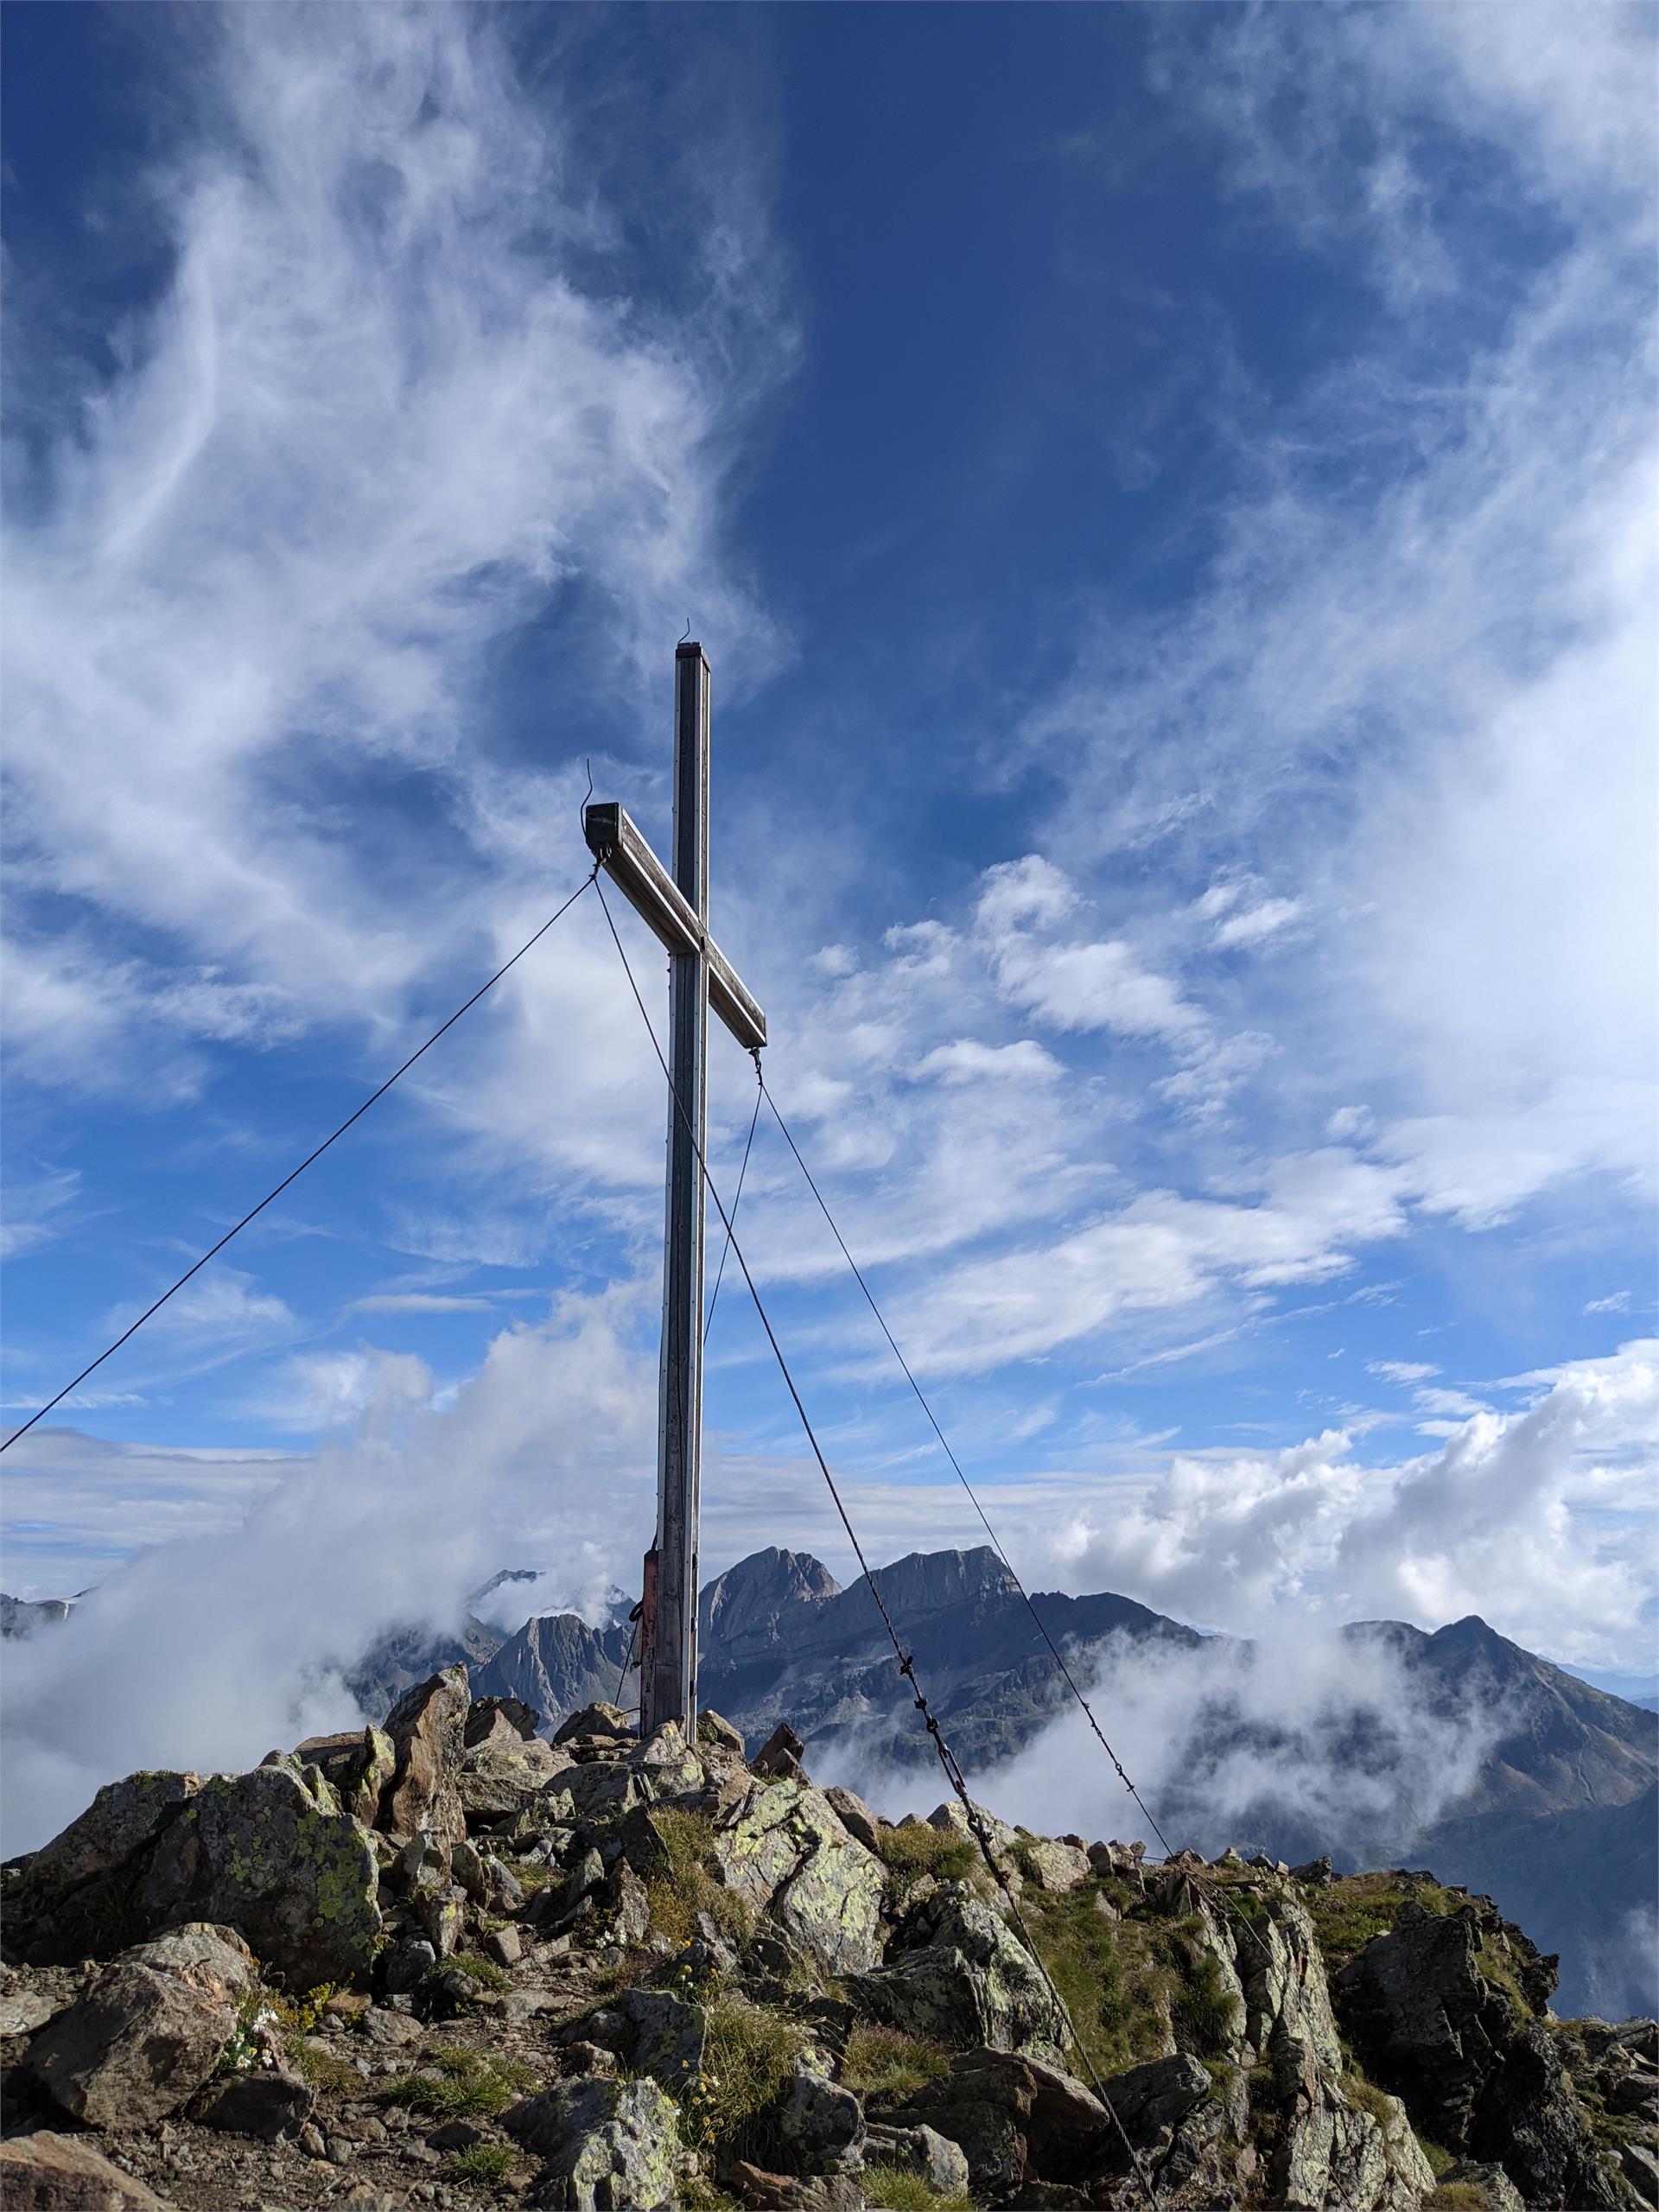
1531	1518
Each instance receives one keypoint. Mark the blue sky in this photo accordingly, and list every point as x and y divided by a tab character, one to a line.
1166	497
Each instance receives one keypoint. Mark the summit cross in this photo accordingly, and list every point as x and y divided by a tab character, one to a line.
675	904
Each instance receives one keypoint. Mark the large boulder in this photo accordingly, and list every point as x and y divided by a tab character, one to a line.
282	1862
785	1848
1015	2120
150	2030
972	1983
502	1770
428	1728
75	1898
605	2144
268	2104
921	2150
820	2124
47	2172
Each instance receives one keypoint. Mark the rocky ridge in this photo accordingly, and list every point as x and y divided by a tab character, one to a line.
447	1962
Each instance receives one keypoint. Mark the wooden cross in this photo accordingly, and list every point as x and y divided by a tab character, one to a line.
676	905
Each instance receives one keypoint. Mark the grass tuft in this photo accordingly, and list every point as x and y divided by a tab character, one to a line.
1360	1906
1118	1985
883	2060
323	2069
1458	2197
459	2084
483	1971
749	2054
485	2162
915	1850
687	1885
896	2188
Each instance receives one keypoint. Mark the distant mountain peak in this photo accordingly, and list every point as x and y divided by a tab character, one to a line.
749	1597
927	1580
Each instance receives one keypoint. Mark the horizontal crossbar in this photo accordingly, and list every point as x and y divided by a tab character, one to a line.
659	902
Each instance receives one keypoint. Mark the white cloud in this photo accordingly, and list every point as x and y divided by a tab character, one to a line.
1255	925
34	1206
271	1571
1617	1301
969	1061
1523	1517
418	1301
1418	668
1305	1215
402	392
333	1389
1401	1370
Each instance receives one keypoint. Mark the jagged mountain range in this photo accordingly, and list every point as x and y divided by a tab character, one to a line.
1558	1822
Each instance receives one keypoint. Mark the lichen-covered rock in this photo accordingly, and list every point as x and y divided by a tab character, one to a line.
1337	2159
428	1729
149	2030
972	1983
74	1900
47	2172
504	1772
260	1852
786	1850
606	2145
357	1764
820	2123
667	2036
1051	1865
1500	2192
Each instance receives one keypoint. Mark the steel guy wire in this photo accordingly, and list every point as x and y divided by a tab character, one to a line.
737	1197
947	1757
295	1173
1072	1684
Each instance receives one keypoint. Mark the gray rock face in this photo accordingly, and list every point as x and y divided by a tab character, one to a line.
148	2032
285	1864
606	2145
1152	2100
428	1728
972	1983
1013	2117
821	2124
1482	2077
47	2172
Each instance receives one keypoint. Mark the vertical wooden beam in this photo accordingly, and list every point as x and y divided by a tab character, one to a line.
668	1687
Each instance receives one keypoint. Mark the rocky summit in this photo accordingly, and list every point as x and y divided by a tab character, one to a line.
447	1962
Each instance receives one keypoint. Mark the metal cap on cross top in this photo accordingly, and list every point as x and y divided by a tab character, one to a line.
674	902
